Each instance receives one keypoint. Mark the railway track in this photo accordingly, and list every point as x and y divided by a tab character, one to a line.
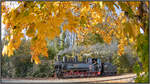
114	79
126	78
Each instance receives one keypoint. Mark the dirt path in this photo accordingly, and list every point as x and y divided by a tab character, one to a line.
126	78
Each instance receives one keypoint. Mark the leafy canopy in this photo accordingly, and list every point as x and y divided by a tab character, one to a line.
42	20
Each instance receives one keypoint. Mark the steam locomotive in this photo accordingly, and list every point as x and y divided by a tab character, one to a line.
90	67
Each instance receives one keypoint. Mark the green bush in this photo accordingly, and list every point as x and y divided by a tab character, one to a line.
5	67
44	70
122	63
143	54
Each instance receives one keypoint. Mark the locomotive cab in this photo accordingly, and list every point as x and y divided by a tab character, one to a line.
97	64
94	65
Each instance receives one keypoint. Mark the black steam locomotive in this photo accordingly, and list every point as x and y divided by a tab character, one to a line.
86	68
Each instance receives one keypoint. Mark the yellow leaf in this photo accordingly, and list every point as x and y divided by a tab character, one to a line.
101	4
5	50
36	59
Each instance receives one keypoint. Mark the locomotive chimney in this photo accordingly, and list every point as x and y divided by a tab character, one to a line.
58	58
75	59
64	59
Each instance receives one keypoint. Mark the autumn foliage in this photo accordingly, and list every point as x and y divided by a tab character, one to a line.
42	20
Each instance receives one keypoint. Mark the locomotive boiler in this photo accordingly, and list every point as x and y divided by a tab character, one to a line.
85	68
